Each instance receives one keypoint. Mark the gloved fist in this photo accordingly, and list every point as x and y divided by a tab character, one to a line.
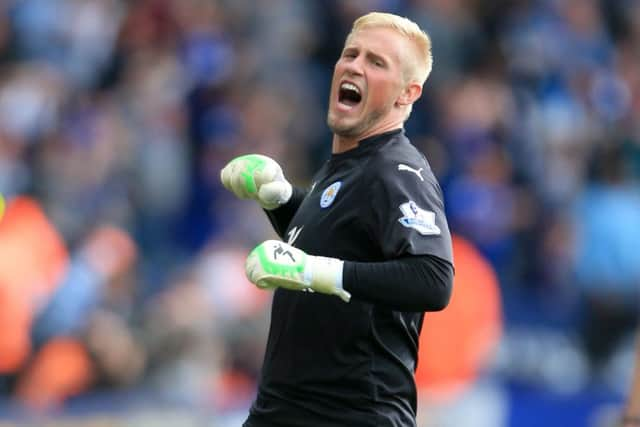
274	264
257	177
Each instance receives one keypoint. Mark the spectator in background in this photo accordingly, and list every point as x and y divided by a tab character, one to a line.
33	260
606	258
200	333
631	413
62	368
106	255
74	348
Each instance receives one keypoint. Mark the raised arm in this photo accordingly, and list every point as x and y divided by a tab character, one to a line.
260	178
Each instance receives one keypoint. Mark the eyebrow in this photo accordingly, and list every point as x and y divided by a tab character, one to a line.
375	56
369	54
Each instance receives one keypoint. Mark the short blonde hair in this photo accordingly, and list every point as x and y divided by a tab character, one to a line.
407	28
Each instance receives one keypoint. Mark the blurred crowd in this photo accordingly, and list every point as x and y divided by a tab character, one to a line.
116	117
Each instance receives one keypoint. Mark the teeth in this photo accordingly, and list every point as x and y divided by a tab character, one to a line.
350	86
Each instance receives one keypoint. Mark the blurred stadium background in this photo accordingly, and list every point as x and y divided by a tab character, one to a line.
122	293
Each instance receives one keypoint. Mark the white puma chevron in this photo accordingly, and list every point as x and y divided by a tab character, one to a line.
403	167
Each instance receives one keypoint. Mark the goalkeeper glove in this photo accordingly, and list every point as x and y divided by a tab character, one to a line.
257	177
274	264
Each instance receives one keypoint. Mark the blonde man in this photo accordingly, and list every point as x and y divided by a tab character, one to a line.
371	231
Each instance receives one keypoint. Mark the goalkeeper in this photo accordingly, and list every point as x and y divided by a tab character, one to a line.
365	251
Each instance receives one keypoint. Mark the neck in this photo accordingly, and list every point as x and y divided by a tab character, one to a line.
342	143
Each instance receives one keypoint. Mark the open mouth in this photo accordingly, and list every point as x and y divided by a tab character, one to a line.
349	94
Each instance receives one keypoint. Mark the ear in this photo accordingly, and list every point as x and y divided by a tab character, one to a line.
410	94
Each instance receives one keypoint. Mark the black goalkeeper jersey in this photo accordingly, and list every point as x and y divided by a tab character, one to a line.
331	363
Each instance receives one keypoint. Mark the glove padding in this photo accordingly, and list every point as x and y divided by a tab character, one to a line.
274	264
257	177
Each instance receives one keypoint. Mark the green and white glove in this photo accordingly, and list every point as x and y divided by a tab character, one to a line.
274	264
257	177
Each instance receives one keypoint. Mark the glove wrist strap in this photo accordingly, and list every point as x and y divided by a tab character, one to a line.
325	275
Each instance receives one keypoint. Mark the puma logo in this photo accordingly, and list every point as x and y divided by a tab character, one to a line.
293	234
403	167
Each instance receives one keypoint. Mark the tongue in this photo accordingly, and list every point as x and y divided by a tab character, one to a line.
348	101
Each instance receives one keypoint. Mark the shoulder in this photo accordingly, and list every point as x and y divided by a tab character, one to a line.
399	150
399	160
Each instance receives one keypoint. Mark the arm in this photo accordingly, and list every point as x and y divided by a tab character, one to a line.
414	241
414	283
258	178
281	217
107	253
631	417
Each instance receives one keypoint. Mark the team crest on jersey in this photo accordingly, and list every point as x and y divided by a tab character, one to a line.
329	194
422	220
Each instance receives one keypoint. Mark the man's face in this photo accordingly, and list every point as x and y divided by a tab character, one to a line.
367	81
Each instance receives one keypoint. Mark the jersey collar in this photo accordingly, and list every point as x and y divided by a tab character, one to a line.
368	144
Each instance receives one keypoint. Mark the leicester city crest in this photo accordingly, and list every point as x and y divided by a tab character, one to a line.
329	194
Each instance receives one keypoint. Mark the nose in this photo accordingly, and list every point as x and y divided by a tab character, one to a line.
354	67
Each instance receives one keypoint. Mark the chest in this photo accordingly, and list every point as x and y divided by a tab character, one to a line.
333	219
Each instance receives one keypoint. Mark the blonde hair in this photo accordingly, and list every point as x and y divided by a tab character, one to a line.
410	30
